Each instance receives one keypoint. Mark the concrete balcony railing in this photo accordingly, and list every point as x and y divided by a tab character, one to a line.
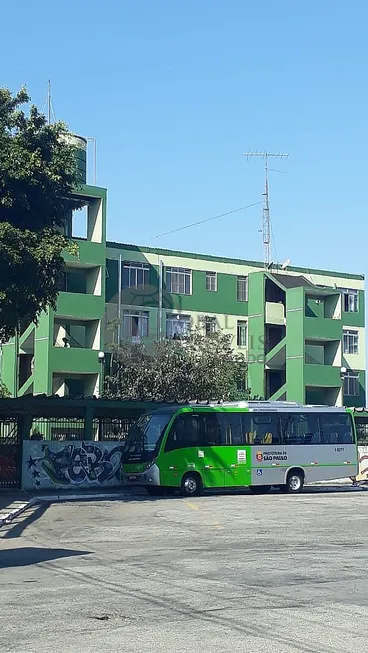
275	313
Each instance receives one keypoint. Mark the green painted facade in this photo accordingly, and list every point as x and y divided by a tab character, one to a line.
290	324
60	354
295	318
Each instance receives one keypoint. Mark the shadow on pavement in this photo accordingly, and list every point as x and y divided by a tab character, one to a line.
28	555
20	523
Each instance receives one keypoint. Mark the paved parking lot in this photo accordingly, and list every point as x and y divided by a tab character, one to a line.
238	572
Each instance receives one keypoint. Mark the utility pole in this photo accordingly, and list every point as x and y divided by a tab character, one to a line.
266	220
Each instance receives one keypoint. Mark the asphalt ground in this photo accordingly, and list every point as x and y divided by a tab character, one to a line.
274	573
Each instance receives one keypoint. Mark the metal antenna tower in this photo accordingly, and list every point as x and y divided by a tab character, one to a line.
50	108
266	220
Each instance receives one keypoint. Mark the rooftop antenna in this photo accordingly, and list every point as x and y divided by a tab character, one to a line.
266	221
50	107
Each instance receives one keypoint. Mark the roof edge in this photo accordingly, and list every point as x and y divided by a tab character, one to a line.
223	259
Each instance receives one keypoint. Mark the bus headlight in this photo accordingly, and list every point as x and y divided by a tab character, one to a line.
152	462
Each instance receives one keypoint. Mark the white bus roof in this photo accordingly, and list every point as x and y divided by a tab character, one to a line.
277	406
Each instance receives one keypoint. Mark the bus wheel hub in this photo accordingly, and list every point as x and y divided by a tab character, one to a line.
190	484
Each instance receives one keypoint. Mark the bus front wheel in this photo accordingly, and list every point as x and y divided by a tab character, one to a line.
191	485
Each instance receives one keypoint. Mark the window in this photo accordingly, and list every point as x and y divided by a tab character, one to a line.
261	428
350	300
350	342
336	428
179	280
135	324
317	428
241	338
231	428
242	289
351	384
301	428
209	325
211	281
185	432
177	326
135	275
145	437
207	429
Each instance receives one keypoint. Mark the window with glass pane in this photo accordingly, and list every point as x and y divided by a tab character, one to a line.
135	324
261	428
179	280
336	428
350	342
185	432
135	275
210	325
301	428
350	299
211	281
241	333
351	384
177	326
231	428
242	289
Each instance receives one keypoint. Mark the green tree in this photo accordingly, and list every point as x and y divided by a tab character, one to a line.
4	392
38	175
195	367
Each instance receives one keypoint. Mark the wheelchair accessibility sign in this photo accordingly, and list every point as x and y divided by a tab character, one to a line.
259	472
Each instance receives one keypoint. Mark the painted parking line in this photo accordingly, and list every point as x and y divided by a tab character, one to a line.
193	506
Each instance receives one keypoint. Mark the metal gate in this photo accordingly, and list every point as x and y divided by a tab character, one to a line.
10	453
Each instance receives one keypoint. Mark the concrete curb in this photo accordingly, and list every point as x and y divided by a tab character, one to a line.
79	497
17	511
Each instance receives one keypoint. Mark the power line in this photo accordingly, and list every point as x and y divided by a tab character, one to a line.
215	217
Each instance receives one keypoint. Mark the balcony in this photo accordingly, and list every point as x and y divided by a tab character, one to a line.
275	313
89	254
322	328
322	375
73	360
78	305
322	316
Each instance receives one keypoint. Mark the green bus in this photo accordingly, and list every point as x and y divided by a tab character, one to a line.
259	445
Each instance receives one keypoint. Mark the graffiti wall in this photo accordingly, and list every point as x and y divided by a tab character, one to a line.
363	464
82	464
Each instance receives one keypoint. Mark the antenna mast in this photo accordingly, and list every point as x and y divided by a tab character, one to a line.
266	220
50	108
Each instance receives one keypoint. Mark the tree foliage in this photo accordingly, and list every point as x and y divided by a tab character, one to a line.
4	392
195	367
37	178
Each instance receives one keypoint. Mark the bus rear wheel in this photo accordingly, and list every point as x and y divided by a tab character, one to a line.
294	482
191	485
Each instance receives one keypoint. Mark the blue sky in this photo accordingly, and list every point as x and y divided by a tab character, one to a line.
176	90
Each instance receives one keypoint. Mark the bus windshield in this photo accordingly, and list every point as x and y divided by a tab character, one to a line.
145	437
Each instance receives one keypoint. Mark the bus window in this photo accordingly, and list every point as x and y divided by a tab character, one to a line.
261	428
301	428
231	428
184	433
211	429
337	428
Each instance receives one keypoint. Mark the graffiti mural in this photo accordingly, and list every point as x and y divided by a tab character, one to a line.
363	464
70	464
